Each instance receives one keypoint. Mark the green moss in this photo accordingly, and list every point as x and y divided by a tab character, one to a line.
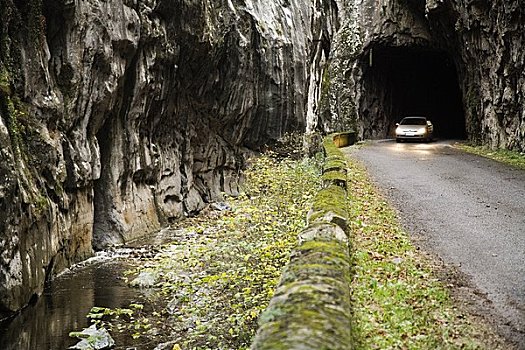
315	266
5	86
330	147
8	112
336	155
18	121
315	272
41	203
10	109
313	304
15	116
336	177
334	162
313	314
332	249
271	315
331	199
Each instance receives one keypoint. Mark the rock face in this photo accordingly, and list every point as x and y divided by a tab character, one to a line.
459	62
119	116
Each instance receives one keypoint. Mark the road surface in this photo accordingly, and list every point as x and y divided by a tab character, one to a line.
467	210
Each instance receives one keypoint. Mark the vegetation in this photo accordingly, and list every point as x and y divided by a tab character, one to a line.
213	283
514	158
398	301
9	110
14	114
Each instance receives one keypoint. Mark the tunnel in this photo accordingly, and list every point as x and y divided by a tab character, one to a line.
404	81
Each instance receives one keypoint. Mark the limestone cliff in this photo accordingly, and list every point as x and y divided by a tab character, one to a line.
460	62
118	116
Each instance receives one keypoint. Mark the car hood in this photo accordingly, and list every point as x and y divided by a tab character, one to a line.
410	127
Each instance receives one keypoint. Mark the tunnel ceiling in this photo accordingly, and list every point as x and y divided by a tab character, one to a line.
404	81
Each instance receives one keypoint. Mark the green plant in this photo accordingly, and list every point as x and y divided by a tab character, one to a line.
131	319
5	85
513	158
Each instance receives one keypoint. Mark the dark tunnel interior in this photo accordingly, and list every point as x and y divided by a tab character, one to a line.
418	81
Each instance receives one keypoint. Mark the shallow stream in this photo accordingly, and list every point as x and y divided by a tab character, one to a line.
67	299
63	307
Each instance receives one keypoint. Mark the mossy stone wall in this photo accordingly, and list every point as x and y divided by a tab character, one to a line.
311	308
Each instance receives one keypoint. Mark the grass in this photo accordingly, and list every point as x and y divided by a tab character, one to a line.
398	301
513	158
213	283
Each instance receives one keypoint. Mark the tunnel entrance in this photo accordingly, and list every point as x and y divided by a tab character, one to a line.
415	81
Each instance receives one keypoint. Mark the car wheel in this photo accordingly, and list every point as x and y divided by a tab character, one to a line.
398	140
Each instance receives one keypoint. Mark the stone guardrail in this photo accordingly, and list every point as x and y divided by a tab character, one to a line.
343	139
311	307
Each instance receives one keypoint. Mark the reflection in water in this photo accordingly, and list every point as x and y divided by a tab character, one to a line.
63	307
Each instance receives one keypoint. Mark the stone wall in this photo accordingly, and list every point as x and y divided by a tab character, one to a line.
311	307
119	116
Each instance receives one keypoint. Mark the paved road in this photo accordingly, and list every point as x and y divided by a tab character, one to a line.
469	211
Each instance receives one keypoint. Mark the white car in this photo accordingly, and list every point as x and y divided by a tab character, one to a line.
414	128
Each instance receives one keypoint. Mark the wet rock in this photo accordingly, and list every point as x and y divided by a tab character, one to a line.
144	280
221	206
93	339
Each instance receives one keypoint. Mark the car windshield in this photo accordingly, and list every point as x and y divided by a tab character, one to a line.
413	121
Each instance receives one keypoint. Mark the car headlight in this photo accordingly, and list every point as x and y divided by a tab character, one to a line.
422	130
